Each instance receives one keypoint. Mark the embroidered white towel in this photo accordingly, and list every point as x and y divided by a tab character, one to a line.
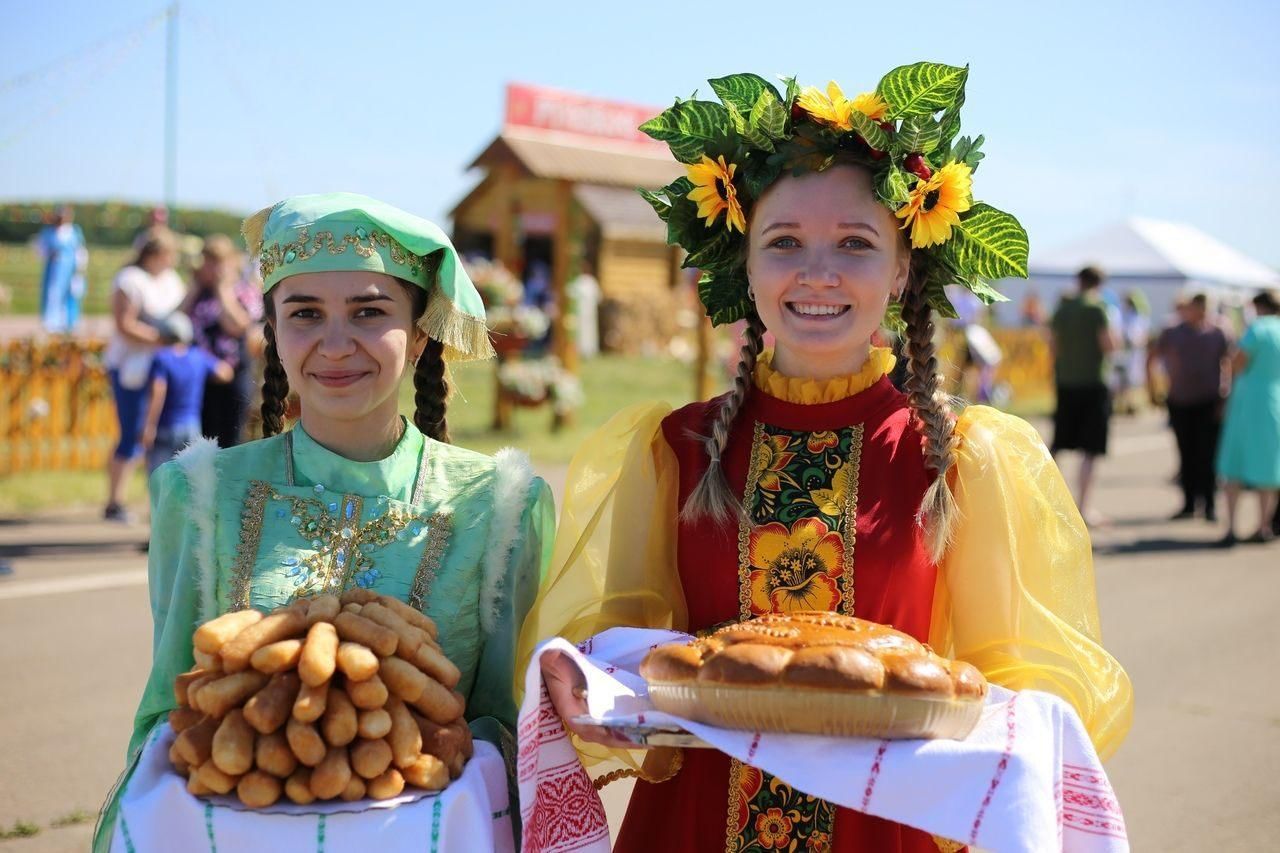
1026	779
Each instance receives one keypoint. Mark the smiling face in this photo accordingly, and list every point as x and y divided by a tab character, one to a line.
346	340
824	257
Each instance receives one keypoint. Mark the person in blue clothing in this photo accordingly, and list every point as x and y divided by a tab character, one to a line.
61	245
179	374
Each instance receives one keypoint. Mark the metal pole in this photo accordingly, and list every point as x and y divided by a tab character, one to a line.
171	109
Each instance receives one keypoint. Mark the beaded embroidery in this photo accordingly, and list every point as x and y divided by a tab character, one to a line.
342	548
363	243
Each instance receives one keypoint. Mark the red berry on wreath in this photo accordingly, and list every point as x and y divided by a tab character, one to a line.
916	165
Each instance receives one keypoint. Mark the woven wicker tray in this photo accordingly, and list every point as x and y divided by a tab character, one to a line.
809	711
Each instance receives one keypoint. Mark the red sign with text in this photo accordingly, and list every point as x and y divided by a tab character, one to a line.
564	112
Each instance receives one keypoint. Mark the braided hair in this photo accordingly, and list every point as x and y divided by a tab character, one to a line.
431	392
932	416
275	383
711	497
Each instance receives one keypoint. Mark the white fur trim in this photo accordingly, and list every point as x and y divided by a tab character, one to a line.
197	461
510	491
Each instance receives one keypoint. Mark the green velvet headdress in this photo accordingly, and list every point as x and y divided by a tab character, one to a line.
345	231
904	133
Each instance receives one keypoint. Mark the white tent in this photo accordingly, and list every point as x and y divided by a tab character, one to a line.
1161	259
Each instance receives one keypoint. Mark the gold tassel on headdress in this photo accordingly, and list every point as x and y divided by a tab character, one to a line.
253	228
465	338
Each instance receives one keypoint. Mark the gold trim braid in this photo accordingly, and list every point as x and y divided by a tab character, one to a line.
754	470
247	549
850	532
438	527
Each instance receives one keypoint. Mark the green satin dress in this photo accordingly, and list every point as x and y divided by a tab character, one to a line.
461	536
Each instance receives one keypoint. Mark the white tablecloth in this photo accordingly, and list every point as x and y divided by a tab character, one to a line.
157	814
1026	779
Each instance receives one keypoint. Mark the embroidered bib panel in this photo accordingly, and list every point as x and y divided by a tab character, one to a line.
296	541
795	552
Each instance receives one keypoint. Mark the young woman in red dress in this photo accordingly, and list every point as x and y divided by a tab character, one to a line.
815	484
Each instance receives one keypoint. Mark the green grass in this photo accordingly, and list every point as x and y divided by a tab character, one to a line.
20	829
609	384
21	270
73	818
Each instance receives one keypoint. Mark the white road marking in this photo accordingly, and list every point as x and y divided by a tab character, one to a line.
79	583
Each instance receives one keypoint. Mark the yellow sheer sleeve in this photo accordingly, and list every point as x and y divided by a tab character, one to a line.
1015	594
614	562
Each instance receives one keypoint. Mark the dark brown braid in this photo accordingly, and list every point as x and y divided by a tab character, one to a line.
275	386
431	391
933	418
712	498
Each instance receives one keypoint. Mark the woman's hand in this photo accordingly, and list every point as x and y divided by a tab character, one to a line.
568	690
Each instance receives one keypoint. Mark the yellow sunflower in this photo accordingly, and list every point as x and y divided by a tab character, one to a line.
871	105
835	109
795	569
714	192
936	204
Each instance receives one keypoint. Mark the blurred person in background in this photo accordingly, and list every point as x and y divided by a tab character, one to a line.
1130	363
1249	456
1083	337
143	295
180	374
61	245
225	309
584	294
1194	355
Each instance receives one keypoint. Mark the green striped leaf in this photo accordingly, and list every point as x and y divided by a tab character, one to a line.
918	134
748	131
682	219
718	253
689	128
742	90
893	186
769	116
988	243
893	317
724	296
984	291
658	201
870	131
922	88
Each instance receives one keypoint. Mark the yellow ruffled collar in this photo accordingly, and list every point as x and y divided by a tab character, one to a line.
810	391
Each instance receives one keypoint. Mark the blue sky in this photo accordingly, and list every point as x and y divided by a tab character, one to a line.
1092	111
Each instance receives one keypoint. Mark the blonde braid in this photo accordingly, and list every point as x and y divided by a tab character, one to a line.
712	498
933	418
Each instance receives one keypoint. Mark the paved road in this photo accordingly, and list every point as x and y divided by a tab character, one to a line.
1194	626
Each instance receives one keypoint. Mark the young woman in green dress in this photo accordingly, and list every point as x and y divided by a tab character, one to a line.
358	295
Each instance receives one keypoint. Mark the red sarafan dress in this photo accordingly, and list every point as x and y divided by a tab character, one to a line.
831	475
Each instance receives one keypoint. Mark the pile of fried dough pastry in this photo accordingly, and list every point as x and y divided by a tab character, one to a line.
325	698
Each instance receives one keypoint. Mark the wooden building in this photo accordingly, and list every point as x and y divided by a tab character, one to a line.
559	188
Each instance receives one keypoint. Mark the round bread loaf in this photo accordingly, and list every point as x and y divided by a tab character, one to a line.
814	650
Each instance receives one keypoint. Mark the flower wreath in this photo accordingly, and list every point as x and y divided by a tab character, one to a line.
904	133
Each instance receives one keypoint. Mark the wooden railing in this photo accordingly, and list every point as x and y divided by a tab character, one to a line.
56	410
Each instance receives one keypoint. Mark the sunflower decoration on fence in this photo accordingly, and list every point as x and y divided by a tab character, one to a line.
906	132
